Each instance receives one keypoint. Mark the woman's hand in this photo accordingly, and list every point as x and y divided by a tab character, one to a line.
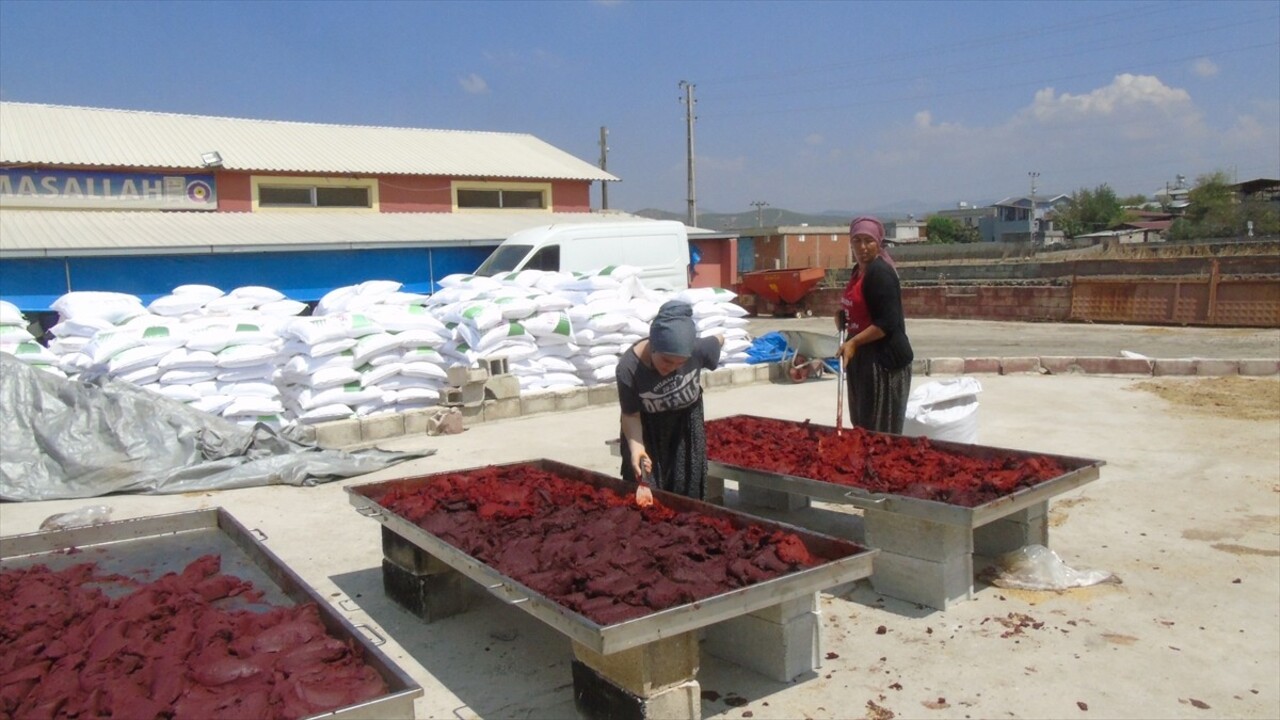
641	464
847	351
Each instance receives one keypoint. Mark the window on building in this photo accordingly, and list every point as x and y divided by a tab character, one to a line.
491	196
315	192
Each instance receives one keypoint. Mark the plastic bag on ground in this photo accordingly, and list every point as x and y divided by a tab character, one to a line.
80	517
1036	567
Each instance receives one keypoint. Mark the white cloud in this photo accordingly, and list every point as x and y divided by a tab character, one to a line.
473	84
1124	93
814	139
1204	67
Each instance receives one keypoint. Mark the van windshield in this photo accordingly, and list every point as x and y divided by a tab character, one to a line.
503	260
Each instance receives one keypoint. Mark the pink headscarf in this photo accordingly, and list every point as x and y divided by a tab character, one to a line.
867	225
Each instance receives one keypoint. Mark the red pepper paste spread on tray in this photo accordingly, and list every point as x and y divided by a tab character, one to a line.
875	462
166	650
591	549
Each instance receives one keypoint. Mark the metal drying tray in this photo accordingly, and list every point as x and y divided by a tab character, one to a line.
146	548
845	562
1079	472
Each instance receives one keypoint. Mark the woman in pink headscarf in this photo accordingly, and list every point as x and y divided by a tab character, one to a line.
877	354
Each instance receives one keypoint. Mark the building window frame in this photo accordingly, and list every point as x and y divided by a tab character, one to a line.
315	184
501	188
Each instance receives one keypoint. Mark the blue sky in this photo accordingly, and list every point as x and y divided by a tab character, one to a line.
809	106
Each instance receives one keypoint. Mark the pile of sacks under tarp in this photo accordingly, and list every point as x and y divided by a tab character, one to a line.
250	355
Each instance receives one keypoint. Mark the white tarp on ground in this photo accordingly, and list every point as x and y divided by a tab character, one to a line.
63	439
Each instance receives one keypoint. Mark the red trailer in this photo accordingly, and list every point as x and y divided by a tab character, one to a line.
784	290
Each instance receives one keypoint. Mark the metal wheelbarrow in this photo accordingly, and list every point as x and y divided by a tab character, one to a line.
806	353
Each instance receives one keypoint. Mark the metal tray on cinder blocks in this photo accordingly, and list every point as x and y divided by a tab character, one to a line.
148	547
1078	472
845	562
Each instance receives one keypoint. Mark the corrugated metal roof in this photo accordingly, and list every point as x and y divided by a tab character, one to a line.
62	135
34	233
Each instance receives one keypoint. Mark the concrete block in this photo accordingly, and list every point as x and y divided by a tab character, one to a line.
306	434
789	610
430	597
501	409
472	414
946	366
409	557
537	403
1213	368
925	582
502	387
1259	367
919	367
1114	365
915	537
1019	365
575	399
416	422
494	365
1162	368
763	372
779	651
742	375
717	378
595	698
1059	365
338	434
714	488
379	427
749	494
602	394
977	365
1010	533
646	669
460	375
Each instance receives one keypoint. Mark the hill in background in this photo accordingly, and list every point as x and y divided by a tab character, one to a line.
773	217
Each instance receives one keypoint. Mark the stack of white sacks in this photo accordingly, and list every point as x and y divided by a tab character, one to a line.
18	341
367	348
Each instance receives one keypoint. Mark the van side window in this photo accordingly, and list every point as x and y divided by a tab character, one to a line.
548	258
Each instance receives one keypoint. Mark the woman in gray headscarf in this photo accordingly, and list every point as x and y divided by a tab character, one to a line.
660	394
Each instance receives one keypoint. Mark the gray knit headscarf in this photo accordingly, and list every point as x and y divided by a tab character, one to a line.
672	331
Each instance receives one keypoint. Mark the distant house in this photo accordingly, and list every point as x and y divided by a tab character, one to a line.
905	232
966	214
1260	189
793	246
1174	198
1012	220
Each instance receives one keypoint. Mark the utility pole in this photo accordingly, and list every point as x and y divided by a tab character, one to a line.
1033	175
604	165
688	119
759	205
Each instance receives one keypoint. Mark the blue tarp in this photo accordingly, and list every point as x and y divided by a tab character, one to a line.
772	347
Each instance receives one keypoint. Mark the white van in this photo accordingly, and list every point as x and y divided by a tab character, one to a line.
660	248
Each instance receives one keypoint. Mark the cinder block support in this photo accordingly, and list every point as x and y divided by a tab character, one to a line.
421	583
749	494
715	488
1029	526
596	698
649	669
781	642
920	561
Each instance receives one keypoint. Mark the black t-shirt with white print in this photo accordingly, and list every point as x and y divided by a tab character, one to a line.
642	389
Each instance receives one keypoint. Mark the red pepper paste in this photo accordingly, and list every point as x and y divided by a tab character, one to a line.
875	462
591	549
166	649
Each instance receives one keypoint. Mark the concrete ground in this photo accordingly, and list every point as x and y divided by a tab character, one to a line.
1186	512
